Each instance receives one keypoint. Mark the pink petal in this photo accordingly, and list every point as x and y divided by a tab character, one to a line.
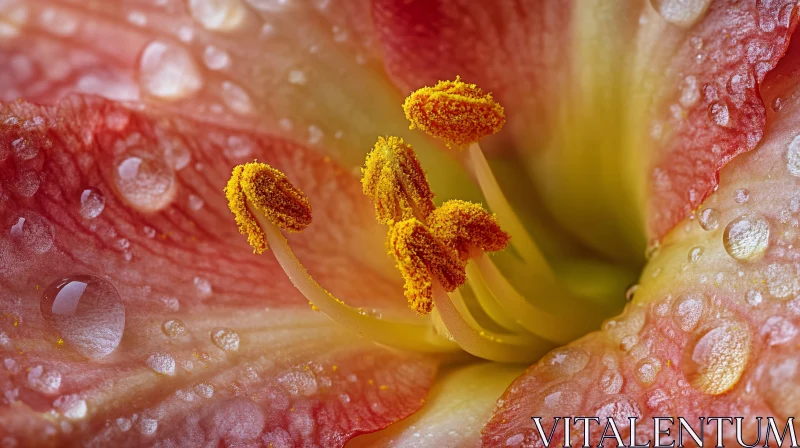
173	252
713	328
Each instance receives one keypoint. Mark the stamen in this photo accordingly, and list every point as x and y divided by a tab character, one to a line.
454	111
264	202
271	193
393	178
466	226
421	258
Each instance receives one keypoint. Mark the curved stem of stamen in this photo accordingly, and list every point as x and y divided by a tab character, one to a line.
420	337
570	319
489	303
487	345
509	221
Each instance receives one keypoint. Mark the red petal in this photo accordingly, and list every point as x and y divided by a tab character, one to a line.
713	329
561	70
174	253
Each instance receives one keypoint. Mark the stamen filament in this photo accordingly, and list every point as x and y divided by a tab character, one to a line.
413	336
484	344
509	221
489	303
576	317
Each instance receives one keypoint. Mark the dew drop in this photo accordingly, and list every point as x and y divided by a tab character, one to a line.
777	330
216	58
630	292
716	356
218	15
611	381
168	71
147	426
315	134
695	253
719	113
690	92
72	407
195	202
777	104
566	361
781	281
226	339
236	98
173	328
92	203
58	22
746	237
24	149
647	370
162	363
753	297
793	156
683	13
741	195
709	219
620	408
268	5
87	312
204	390
46	381
144	181
203	285
781	386
124	424
298	77
32	231
688	310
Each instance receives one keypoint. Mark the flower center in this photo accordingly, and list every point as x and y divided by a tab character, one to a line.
463	299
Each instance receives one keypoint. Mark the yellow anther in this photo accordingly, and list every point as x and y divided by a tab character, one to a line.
269	192
466	226
393	178
454	111
422	259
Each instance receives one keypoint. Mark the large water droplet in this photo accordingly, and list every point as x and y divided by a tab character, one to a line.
746	237
716	356
793	156
218	15
92	203
709	219
226	339
688	310
87	312
683	13
145	181
32	231
173	328
566	361
741	195
168	71
719	113
162	363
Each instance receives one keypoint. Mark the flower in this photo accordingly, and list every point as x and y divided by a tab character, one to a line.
131	310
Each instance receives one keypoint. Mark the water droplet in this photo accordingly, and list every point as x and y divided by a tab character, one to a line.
781	280
716	356
195	202
216	58
753	297
611	381
683	13
719	113
33	232
777	330
137	18
87	312
777	104
647	370
688	310
58	21
746	237
236	98
298	77
690	92
793	156
204	390
218	15
72	407
145	181
560	398
695	253
630	292
268	5
46	381
709	219
620	408
315	135
203	286
741	195
24	149
168	71
173	328
92	203
226	339
566	361
147	426
162	363
780	385
124	424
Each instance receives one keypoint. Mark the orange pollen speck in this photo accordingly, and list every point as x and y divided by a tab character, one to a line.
421	258
269	192
465	226
393	179
454	111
